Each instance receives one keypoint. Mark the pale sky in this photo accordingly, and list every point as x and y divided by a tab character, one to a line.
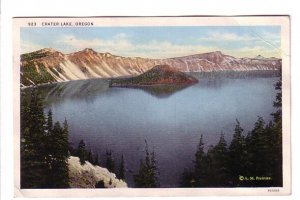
157	42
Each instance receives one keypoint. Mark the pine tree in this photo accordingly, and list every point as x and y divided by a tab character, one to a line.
154	170
201	168
60	154
237	155
187	179
44	147
256	146
218	164
122	169
48	131
147	175
33	151
82	152
278	100
90	157
259	146
110	164
64	156
49	121
277	137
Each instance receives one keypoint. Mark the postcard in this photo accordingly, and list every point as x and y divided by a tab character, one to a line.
152	106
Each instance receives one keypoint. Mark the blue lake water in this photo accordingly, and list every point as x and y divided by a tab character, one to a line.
121	119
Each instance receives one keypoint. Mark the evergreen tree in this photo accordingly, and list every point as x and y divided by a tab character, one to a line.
273	139
64	156
154	169
49	145
218	164
59	165
90	157
110	164
44	147
276	136
201	165
147	175
278	100
122	169
187	178
33	151
256	146
49	121
237	155
73	151
82	152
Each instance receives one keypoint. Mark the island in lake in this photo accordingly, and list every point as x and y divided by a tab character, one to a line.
157	76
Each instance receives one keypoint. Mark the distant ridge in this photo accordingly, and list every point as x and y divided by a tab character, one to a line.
48	65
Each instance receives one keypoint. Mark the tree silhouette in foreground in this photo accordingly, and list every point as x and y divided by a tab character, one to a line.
58	139
82	154
110	163
44	146
237	155
147	177
122	169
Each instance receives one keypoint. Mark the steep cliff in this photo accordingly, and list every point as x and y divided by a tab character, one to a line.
48	65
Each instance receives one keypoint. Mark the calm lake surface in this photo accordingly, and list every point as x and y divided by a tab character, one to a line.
121	119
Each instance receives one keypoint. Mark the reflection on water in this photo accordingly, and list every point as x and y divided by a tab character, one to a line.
162	91
86	90
89	90
170	119
236	75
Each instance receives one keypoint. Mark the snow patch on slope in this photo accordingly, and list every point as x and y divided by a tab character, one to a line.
72	71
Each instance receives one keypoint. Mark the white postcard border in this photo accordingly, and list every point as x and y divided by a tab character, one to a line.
282	21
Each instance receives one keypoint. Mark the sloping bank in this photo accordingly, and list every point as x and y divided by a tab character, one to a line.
88	175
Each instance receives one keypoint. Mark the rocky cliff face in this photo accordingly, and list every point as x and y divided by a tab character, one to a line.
216	61
88	175
48	65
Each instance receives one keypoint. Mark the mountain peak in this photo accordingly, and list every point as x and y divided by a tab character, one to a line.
215	56
217	52
89	50
39	54
260	57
